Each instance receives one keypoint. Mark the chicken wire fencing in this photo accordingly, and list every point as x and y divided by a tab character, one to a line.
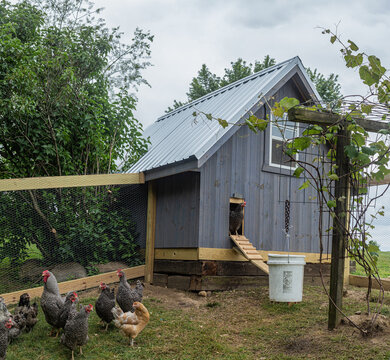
74	232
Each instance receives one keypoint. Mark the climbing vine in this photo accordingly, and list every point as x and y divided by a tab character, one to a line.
367	156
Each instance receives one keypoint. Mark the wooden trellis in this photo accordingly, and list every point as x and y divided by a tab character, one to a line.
342	192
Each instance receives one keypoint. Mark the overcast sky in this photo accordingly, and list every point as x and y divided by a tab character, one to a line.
189	33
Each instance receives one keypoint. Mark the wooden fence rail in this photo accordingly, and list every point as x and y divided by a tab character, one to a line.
54	182
362	281
78	284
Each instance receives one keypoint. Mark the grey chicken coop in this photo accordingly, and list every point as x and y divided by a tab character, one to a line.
200	171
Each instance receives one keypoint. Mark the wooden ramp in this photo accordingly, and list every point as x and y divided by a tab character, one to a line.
245	247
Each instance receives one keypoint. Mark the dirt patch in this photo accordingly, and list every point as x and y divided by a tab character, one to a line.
299	345
365	322
169	298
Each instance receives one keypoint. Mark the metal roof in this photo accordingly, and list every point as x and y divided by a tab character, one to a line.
178	136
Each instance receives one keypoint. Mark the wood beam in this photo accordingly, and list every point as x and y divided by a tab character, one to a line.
340	226
324	118
216	254
78	284
55	182
150	232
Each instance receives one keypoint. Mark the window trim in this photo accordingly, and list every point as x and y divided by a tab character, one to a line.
271	137
268	166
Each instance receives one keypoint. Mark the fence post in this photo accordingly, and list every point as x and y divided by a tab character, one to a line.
340	227
150	232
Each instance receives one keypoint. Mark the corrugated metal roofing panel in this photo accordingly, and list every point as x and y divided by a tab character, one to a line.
177	135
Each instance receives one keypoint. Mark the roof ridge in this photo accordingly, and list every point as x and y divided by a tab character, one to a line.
226	87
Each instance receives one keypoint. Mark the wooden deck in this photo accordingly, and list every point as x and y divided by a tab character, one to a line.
245	247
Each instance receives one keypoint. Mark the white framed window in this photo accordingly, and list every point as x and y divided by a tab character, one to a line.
284	130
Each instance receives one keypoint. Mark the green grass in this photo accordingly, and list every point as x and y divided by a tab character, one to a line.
383	265
170	334
244	326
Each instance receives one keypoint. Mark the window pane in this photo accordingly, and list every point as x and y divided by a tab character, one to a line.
278	156
289	131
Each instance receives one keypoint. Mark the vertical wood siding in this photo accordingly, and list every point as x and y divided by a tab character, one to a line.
237	167
177	211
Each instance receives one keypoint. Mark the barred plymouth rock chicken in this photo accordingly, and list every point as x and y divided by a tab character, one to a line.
76	330
235	218
70	306
126	296
18	325
105	303
51	300
131	323
4	332
29	312
4	313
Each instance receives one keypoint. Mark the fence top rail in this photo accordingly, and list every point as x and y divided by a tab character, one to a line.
78	284
54	182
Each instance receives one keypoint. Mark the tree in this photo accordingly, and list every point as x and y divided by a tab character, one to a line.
239	69
206	81
66	108
328	88
267	62
203	84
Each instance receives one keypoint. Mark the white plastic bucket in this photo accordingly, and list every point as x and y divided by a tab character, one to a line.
286	277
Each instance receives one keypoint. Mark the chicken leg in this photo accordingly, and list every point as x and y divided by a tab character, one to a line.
72	355
131	341
81	350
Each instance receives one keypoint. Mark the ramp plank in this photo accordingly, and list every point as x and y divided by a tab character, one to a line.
245	247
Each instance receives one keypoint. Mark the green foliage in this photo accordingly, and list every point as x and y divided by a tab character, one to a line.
328	87
206	81
76	225
256	124
66	108
203	84
238	70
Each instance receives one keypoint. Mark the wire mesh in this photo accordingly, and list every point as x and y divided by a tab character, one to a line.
74	232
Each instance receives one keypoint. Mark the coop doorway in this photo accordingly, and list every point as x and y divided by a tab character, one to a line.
236	206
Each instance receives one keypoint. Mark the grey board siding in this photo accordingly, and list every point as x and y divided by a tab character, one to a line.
237	167
227	172
177	211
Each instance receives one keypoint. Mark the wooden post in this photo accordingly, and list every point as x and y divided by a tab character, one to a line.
340	224
150	233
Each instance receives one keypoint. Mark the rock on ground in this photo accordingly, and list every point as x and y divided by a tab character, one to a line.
31	270
111	266
68	271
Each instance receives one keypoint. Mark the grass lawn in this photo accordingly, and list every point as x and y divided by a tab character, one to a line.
383	265
226	325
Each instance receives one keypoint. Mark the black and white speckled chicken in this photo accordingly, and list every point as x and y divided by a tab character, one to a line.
235	218
4	313
30	312
76	330
51	300
69	307
18	325
105	303
5	326
126	296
